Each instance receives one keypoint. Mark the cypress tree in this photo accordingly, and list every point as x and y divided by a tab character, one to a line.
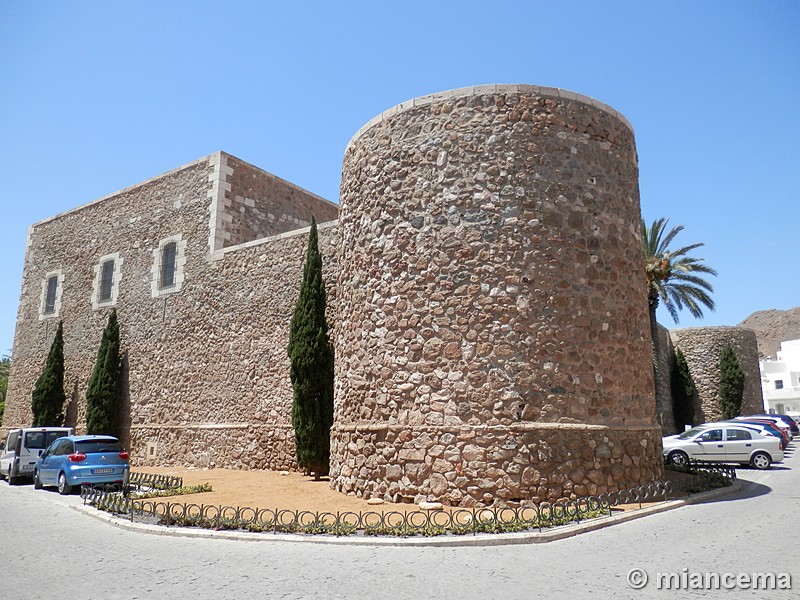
48	397
103	390
311	368
731	384
5	367
684	392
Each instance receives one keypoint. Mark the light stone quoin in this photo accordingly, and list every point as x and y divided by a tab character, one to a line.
487	312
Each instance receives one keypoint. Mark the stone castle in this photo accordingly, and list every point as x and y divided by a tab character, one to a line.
485	294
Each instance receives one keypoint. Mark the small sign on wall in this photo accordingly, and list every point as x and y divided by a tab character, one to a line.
152	450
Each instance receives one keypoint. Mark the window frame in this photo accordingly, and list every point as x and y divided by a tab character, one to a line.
158	286
106	280
46	309
50	291
706	436
98	301
168	265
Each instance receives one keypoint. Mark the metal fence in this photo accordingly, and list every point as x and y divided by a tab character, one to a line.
727	472
709	476
146	482
450	521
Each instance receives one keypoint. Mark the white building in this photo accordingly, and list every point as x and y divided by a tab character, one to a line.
780	380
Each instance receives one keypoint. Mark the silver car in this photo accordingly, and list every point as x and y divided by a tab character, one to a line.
723	443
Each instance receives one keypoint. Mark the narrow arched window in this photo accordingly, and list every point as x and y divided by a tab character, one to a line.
106	280
169	255
50	295
169	259
52	289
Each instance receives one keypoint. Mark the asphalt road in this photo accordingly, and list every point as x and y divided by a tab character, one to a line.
51	551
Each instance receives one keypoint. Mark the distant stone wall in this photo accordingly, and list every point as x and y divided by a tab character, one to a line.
207	371
494	335
702	347
665	364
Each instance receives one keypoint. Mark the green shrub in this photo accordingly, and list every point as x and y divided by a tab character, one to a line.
731	384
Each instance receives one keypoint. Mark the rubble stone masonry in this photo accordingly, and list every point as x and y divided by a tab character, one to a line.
702	347
493	339
207	371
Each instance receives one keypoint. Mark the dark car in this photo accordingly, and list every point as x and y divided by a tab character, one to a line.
770	426
786	419
78	460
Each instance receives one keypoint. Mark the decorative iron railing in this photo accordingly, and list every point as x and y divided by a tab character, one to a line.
727	472
146	482
452	521
709	476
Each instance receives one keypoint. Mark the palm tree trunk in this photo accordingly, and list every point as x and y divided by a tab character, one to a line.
655	354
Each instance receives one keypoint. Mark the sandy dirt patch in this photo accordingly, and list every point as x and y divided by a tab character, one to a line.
269	489
294	491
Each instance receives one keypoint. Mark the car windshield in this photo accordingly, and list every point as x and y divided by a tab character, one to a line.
690	433
95	446
39	440
36	440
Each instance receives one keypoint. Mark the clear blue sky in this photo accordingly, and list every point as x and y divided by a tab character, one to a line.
96	96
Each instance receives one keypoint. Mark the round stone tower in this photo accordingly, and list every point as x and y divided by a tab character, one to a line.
493	343
702	347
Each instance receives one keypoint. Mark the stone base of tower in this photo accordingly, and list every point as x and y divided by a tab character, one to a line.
492	465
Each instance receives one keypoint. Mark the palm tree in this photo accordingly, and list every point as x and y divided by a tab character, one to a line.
673	277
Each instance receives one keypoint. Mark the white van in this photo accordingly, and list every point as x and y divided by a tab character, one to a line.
22	448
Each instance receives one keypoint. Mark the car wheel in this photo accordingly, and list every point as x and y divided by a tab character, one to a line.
761	460
678	458
63	487
37	483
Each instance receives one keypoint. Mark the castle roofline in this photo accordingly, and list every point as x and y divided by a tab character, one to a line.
125	190
188	165
479	90
711	328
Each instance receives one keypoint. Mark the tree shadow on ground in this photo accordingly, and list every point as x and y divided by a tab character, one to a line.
749	489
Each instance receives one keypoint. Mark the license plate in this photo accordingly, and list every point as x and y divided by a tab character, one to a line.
101	471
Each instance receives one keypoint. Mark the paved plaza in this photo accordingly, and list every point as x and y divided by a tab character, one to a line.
50	549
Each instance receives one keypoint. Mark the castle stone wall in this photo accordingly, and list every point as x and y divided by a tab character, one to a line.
484	281
207	372
702	347
494	335
261	205
131	223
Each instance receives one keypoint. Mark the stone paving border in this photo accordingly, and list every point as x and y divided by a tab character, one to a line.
482	539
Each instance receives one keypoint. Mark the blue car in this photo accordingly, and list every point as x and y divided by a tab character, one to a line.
77	460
